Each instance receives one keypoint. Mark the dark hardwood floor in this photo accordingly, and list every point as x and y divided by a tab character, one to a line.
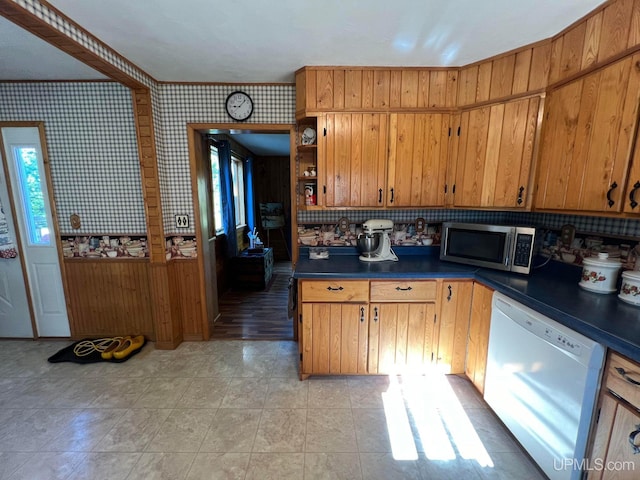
257	315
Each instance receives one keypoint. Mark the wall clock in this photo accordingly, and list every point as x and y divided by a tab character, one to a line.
239	105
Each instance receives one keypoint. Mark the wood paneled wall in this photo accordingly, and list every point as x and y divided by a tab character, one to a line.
272	184
109	298
604	34
185	297
500	77
374	89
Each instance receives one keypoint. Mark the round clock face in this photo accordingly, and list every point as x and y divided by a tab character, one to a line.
239	105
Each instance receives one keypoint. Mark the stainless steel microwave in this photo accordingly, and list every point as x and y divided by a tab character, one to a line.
501	247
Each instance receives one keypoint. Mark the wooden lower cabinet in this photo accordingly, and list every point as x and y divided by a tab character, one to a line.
334	338
615	452
399	326
401	337
454	307
478	341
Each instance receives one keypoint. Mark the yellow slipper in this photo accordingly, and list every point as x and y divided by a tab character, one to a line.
107	353
128	346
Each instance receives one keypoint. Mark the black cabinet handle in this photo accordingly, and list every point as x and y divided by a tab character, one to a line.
391	200
450	293
520	190
331	289
632	195
379	195
614	185
453	190
400	289
626	376
375	314
632	440
361	314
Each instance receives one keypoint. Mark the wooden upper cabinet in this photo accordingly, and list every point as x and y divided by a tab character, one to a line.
587	140
355	159
418	154
494	154
631	199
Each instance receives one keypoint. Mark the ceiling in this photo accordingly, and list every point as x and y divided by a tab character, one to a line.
264	144
263	41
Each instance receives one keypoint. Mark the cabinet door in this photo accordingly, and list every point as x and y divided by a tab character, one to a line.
418	155
587	140
494	154
478	343
401	337
453	321
334	338
356	160
617	442
631	198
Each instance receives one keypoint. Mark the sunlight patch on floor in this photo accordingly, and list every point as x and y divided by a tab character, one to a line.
443	427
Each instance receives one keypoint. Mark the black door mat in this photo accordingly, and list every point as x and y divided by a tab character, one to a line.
67	354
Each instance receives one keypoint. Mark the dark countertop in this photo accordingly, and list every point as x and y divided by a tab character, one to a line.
551	290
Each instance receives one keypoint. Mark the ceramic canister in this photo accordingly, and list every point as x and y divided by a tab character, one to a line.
630	289
600	274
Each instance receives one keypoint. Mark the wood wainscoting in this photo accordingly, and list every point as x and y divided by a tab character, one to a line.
109	297
185	297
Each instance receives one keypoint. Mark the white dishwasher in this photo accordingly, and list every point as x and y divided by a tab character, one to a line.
541	380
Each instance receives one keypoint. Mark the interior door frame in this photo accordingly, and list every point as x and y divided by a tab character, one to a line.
54	218
194	133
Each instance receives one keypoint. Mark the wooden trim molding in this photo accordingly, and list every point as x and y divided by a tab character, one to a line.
21	16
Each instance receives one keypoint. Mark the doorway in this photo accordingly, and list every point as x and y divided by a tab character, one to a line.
32	300
239	313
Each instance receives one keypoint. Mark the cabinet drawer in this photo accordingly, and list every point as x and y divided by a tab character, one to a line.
620	381
335	291
403	290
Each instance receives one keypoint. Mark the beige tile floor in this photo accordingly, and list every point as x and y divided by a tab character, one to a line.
236	410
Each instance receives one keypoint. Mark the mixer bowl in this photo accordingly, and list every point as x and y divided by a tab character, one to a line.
368	243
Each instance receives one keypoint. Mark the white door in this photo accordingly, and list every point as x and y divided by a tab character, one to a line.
15	318
23	156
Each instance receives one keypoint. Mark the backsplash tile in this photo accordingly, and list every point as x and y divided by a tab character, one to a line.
616	227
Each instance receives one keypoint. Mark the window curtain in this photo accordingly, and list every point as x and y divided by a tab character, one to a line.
248	189
226	190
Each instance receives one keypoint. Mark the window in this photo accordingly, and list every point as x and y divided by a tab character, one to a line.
217	194
31	194
237	175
